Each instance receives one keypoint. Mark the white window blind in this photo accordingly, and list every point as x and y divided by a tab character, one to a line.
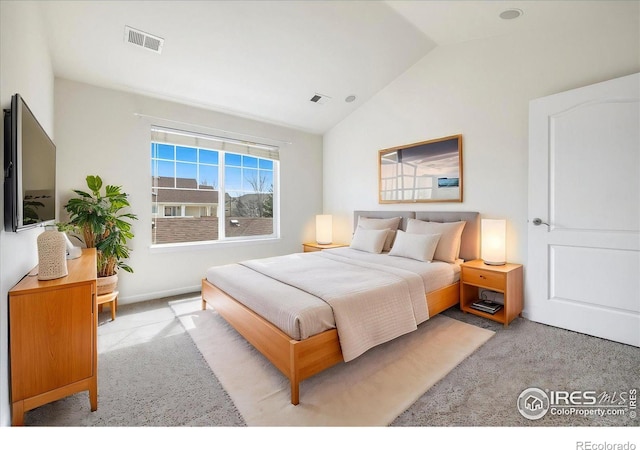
201	140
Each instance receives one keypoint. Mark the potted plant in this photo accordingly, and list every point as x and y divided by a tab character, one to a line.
99	218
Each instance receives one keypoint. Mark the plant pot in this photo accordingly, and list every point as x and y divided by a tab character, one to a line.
107	285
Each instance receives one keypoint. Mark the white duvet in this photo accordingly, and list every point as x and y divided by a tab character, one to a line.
372	298
372	303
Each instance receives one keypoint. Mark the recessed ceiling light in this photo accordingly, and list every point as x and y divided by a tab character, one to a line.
509	14
350	98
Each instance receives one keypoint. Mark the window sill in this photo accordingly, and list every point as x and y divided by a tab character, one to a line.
208	245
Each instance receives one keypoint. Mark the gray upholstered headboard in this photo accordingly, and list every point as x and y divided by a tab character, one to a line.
406	215
470	242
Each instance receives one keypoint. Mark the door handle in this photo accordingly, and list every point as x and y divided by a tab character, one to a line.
537	222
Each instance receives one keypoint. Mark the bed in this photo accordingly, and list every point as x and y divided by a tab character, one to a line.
304	325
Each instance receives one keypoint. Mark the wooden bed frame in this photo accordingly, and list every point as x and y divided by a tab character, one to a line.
299	360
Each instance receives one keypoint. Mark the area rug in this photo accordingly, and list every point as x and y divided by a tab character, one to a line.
371	390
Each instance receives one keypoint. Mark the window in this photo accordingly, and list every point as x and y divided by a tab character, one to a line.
207	188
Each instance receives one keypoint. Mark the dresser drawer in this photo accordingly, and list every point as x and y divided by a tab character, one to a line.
484	278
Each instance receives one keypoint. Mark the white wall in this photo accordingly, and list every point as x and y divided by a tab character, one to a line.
25	68
480	89
97	133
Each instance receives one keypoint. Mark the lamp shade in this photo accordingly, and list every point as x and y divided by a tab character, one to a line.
494	236
324	229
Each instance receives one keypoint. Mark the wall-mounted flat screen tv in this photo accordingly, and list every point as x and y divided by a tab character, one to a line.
29	170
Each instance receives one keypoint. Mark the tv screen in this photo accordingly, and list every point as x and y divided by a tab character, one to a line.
29	170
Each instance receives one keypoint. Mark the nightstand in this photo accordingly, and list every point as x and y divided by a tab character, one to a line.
315	247
506	279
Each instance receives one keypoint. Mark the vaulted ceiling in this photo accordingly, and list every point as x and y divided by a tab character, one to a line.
266	59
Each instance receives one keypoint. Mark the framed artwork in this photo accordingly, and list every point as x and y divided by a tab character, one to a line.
428	171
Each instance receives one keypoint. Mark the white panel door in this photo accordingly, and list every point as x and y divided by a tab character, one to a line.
583	269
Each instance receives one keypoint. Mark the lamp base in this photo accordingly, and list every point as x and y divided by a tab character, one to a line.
493	263
323	243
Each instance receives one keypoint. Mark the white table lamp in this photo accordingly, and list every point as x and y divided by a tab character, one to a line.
324	229
494	236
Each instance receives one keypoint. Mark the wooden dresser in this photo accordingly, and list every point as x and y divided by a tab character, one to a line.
53	337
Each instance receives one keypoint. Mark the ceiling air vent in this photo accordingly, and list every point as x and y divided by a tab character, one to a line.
320	99
142	39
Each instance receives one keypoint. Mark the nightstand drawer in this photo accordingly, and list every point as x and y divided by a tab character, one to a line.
315	247
484	278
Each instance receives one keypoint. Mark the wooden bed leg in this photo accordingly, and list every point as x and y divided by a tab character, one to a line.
295	392
294	376
204	304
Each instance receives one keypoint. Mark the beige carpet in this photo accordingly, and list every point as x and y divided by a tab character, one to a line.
372	390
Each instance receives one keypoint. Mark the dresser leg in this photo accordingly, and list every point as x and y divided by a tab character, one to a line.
17	414
93	395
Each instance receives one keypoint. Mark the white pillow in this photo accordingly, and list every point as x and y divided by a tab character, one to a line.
371	241
415	246
448	249
392	224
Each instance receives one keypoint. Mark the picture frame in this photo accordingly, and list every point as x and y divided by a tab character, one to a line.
423	172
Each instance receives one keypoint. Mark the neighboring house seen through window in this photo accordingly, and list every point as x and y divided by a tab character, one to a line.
206	188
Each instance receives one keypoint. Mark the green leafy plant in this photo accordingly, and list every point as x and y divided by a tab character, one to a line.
99	218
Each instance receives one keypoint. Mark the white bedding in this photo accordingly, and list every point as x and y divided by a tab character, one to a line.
306	293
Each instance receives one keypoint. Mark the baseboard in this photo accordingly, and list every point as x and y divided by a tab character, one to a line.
159	294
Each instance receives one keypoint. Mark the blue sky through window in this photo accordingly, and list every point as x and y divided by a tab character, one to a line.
243	173
208	176
187	154
232	159
166	151
208	156
184	170
249	161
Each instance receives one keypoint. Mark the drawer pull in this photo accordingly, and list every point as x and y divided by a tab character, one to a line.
483	277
